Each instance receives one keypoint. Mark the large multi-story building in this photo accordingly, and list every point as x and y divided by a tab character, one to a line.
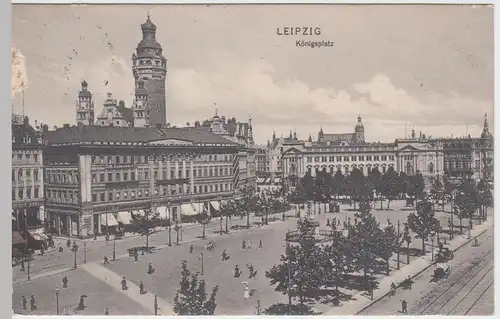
450	157
97	176
28	203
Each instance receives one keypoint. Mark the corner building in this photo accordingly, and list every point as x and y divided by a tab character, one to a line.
96	174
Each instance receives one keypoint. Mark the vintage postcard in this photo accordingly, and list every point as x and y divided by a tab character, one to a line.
252	159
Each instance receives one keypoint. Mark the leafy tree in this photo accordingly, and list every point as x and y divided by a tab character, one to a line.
416	186
284	309
449	189
307	182
467	200
423	223
390	187
365	240
227	209
484	196
359	187
406	238
437	193
145	224
248	201
191	298
300	267
203	219
338	183
376	180
389	244
336	260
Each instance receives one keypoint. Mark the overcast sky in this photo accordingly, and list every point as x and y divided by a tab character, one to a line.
430	66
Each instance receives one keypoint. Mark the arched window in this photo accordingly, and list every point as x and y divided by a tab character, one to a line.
408	168
431	168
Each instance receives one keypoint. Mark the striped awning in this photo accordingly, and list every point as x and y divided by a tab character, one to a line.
188	210
215	205
139	212
125	218
163	212
38	234
111	220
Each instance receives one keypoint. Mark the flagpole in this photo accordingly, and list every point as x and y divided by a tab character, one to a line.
23	100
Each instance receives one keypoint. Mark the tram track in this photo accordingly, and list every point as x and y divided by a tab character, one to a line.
427	310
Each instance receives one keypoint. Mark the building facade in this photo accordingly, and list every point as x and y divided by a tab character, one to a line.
28	202
96	174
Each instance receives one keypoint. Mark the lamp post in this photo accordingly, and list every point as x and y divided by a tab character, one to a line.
75	249
84	252
201	256
156	305
169	223
57	300
29	262
114	248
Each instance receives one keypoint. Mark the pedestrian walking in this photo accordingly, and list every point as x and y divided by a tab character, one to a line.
191	248
81	303
151	269
237	271
136	255
141	288
224	256
244	245
338	222
246	291
106	261
124	284
65	282
41	250
106	312
393	289
249	244
260	243
250	270
404	307
25	303
32	303
68	243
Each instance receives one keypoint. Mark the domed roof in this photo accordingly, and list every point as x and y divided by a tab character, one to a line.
148	26
84	92
147	43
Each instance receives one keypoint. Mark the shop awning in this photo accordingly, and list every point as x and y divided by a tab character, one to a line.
111	220
17	238
215	205
188	210
163	212
139	212
199	207
38	234
125	218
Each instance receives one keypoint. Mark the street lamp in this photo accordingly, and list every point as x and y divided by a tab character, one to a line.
75	249
201	256
169	223
57	300
84	252
114	248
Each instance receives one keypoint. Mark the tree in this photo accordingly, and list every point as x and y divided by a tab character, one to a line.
144	224
485	197
203	219
390	187
307	182
336	260
406	238
437	193
300	267
365	239
423	223
359	187
467	201
416	186
338	183
248	201
191	298
389	244
376	179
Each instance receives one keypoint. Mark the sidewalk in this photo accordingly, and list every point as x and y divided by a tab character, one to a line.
114	281
360	301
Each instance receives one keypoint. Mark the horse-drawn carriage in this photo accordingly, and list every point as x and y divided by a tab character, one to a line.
444	255
442	270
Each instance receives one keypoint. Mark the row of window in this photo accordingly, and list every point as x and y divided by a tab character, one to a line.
25	174
459	165
333	170
27	157
354	158
62	178
31	193
129	159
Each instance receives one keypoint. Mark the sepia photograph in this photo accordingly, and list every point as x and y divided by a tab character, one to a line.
251	159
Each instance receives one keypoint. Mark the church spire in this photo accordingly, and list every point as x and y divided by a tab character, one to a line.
486	131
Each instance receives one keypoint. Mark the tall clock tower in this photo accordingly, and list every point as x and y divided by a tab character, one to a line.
150	72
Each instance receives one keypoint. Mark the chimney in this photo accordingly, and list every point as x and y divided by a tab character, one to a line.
55	127
66	125
36	123
26	121
45	128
